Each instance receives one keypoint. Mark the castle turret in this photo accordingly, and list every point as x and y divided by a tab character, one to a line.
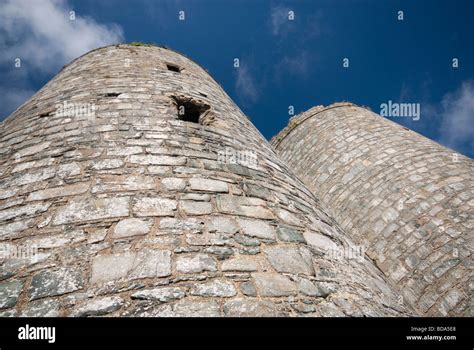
131	185
407	198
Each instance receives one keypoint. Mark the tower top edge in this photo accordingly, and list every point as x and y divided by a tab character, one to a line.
135	45
300	118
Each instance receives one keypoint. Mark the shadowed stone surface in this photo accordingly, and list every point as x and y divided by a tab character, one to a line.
58	282
9	292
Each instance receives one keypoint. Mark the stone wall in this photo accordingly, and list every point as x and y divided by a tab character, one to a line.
407	198
134	212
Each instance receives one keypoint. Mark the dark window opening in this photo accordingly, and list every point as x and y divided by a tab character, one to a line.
190	110
112	94
173	68
46	114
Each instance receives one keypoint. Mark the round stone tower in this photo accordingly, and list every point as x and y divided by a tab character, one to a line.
131	185
409	200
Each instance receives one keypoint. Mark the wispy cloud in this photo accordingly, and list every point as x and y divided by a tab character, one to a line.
279	19
43	36
245	85
292	65
405	93
457	113
163	11
297	64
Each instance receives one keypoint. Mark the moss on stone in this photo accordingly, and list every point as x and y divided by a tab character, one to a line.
139	43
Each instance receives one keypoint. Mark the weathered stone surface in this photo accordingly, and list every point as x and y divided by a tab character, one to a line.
124	183
287	217
107	164
221	253
98	307
68	170
390	195
398	272
201	184
195	263
59	240
192	308
181	225
443	267
32	177
96	235
321	289
173	184
221	224
258	192
244	206
144	264
241	263
159	169
111	267
327	309
151	263
250	308
63	191
124	151
49	283
288	259
274	284
42	308
307	287
26	210
196	197
163	294
9	293
319	241
14	229
256	228
215	288
89	209
132	227
450	300
247	241
195	208
33	149
154	206
8	313
34	164
248	288
288	234
149	159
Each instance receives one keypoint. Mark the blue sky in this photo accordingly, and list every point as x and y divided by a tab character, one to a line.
282	63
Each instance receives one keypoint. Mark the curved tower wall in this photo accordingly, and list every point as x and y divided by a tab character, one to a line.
133	211
407	198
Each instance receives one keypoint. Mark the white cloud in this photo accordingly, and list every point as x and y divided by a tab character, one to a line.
245	85
296	64
405	93
43	36
278	18
40	33
457	123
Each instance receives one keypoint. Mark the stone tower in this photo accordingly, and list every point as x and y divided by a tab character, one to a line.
131	185
407	198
